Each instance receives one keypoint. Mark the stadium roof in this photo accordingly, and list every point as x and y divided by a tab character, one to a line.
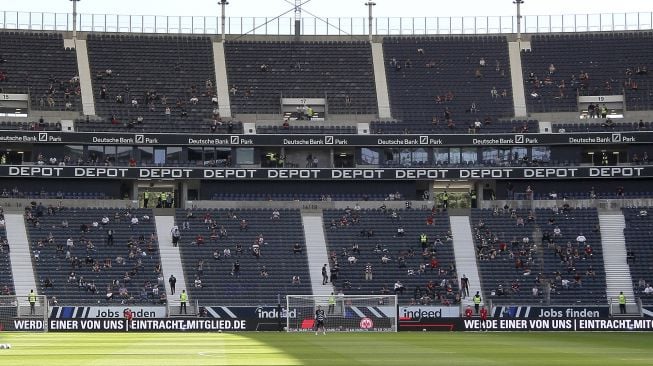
335	8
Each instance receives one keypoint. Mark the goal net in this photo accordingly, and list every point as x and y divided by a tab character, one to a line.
343	313
17	313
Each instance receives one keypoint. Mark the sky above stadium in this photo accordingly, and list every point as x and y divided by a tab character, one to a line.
333	8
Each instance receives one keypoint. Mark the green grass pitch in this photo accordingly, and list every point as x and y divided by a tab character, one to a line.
266	348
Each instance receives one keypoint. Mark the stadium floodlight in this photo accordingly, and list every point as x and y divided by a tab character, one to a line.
518	3
74	19
223	4
370	5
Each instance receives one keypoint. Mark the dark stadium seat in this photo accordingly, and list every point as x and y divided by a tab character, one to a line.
219	286
98	264
384	226
601	55
640	253
453	64
539	262
301	70
35	64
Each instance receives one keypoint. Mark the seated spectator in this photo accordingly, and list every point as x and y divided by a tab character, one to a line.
648	291
296	280
297	248
399	287
264	272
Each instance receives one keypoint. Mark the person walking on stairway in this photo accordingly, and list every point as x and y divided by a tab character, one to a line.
172	281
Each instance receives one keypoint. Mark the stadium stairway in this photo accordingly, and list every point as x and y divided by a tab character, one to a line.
518	96
316	250
382	97
221	81
617	271
463	246
21	259
84	72
171	263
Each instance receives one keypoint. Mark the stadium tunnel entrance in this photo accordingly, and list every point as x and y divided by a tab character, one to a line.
158	194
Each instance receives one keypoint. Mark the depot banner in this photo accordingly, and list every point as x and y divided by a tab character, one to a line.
362	174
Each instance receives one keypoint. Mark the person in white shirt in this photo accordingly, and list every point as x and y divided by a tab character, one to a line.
352	259
105	220
276	214
581	239
134	220
648	290
557	232
399	287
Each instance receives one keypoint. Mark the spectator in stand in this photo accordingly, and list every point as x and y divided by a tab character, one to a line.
399	287
581	239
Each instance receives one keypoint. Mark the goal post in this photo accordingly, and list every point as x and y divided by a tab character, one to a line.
17	312
344	313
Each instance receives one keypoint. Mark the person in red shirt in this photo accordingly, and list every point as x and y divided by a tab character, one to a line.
429	220
469	312
483	318
128	314
434	263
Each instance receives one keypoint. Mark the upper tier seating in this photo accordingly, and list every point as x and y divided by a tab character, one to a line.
173	69
6	278
601	127
304	130
92	259
600	55
406	127
218	285
342	232
510	268
638	232
298	197
331	70
430	68
38	64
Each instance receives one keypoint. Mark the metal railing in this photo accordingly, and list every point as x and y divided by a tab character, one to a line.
12	20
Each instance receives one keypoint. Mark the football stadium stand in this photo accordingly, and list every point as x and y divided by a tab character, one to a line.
243	256
79	259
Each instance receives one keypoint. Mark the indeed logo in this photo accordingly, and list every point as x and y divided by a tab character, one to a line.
273	313
418	313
